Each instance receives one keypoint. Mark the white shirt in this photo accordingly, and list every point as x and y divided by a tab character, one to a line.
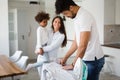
56	40
42	37
84	21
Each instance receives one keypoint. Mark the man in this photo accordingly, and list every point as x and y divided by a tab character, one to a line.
86	40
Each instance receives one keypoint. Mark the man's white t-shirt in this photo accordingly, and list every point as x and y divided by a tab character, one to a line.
84	21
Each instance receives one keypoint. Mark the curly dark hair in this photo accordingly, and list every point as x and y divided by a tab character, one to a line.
62	5
41	16
61	30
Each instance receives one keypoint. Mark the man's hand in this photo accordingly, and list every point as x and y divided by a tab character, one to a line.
62	61
68	67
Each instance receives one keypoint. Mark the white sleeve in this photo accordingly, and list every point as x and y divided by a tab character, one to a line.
85	23
39	45
55	44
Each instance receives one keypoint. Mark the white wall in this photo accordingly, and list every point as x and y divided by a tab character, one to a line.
50	8
109	11
4	36
96	7
112	11
117	12
27	24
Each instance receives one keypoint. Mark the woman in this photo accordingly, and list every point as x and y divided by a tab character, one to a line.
57	39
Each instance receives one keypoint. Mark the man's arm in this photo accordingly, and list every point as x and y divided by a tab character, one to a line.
84	39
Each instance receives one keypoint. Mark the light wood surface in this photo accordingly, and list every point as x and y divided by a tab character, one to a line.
8	68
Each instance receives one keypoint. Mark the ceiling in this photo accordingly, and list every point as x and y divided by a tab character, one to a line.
24	0
37	0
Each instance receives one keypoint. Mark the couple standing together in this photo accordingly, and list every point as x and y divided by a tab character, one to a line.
86	41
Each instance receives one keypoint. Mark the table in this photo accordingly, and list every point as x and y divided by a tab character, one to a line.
8	68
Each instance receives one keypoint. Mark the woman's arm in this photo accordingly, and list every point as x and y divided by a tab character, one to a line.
55	44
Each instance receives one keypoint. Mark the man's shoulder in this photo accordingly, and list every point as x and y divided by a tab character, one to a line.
83	12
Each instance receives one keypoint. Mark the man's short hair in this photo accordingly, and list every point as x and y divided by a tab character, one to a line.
62	5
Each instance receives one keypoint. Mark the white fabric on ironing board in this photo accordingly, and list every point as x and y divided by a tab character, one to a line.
54	71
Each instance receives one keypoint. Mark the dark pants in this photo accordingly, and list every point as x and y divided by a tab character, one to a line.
94	68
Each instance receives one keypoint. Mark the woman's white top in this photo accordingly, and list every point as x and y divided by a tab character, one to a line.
55	42
42	37
84	21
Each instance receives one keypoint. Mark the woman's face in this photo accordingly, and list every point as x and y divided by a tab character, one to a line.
56	24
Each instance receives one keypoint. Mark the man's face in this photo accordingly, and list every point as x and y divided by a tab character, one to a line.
70	13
